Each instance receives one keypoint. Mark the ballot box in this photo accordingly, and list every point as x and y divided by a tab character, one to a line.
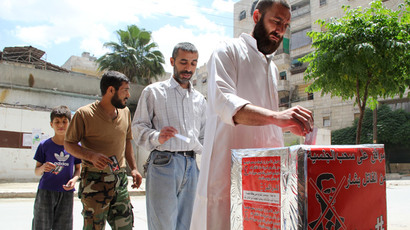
309	187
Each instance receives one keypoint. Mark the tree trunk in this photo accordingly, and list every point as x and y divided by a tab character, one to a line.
375	125
359	125
362	106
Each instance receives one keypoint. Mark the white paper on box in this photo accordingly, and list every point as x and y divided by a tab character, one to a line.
261	197
275	190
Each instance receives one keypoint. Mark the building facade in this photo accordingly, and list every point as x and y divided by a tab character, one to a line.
86	64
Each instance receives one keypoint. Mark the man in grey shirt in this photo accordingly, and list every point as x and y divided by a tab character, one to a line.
166	110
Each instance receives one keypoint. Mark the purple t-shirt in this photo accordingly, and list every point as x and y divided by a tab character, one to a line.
51	152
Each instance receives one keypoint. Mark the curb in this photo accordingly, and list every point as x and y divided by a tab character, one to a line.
29	189
18	195
10	195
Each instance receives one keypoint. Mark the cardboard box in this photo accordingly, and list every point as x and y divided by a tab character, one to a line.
309	187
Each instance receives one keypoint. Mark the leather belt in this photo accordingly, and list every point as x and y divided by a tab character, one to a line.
184	153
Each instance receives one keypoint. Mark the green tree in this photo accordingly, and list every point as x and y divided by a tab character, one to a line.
135	55
393	131
393	128
362	56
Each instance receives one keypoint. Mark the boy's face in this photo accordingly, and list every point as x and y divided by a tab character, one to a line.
60	124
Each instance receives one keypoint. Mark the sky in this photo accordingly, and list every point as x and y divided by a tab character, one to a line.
63	28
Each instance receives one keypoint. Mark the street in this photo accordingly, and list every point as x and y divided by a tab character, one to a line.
18	212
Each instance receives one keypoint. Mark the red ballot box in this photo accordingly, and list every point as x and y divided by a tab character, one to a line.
309	187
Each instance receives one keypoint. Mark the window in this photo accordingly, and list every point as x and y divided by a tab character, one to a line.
253	7
300	39
326	121
285	45
242	15
322	2
296	63
284	101
282	75
310	96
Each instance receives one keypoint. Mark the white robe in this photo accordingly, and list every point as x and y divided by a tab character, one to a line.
238	74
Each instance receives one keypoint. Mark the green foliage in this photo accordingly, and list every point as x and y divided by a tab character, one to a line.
363	55
393	128
135	56
345	136
367	46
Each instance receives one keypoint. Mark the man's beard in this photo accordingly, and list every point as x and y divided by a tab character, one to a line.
179	79
265	45
116	102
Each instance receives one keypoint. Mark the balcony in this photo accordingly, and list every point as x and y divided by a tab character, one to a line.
304	104
298	2
282	60
284	103
283	85
298	68
300	11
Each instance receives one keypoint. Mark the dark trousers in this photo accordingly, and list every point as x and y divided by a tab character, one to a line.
53	210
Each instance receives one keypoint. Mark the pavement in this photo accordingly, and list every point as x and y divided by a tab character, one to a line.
29	189
17	211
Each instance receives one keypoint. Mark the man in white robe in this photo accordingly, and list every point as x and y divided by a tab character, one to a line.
242	110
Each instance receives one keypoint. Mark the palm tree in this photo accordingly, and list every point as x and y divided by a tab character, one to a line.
135	55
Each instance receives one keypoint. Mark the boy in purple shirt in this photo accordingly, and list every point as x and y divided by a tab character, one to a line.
53	207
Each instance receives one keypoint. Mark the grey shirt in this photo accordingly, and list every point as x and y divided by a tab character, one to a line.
166	103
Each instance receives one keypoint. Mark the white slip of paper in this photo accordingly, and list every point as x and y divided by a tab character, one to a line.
265	197
310	138
184	138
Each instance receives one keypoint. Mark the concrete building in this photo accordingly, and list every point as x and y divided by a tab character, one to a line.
199	80
28	91
85	64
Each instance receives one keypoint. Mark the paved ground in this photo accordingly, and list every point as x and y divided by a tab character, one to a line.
29	189
17	200
17	212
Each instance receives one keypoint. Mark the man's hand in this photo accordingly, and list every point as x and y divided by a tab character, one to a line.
100	161
166	133
296	119
136	179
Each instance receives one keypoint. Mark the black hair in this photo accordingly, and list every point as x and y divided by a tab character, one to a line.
60	111
112	78
323	176
185	46
263	5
